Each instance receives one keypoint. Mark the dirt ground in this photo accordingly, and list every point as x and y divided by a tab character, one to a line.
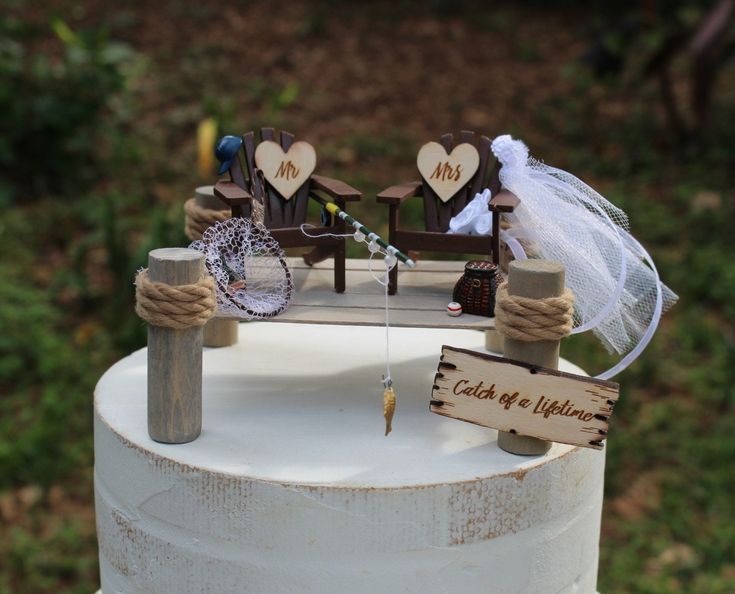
364	82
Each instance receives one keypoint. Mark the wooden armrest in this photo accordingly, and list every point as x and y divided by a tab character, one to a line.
504	201
232	194
399	193
335	188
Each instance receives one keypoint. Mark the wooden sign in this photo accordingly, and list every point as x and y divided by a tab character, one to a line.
520	398
286	172
447	173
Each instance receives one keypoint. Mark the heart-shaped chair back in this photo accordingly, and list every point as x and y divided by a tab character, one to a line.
452	173
277	173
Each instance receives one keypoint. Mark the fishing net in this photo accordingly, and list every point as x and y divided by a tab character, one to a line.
618	292
249	268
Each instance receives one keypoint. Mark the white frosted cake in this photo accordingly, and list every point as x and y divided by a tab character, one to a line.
292	486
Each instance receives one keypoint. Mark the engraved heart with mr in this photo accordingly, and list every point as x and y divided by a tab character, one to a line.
286	171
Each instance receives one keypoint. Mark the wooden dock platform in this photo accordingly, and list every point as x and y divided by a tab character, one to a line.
421	302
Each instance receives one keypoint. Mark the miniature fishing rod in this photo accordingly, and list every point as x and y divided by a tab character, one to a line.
335	210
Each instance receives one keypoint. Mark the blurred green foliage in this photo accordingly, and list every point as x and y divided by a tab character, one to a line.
55	109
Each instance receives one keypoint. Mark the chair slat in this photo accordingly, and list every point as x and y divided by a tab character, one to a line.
444	209
462	197
467	136
274	201
494	183
248	144
238	175
287	139
431	215
478	183
290	205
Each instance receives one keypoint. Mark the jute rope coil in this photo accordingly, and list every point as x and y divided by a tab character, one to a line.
177	307
529	320
199	219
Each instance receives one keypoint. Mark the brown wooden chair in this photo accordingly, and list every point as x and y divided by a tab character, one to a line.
437	213
283	218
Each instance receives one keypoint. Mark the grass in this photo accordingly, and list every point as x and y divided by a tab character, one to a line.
68	260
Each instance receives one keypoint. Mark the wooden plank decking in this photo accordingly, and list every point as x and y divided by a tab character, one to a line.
423	294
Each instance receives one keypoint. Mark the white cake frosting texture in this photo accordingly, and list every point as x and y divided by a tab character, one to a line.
292	486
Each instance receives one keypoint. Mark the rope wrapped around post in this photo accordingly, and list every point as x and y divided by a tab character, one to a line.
530	320
176	296
533	311
199	218
175	307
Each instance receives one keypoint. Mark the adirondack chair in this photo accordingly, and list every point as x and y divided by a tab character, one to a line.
437	213
282	217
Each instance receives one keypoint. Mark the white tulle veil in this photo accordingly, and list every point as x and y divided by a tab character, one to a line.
619	295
